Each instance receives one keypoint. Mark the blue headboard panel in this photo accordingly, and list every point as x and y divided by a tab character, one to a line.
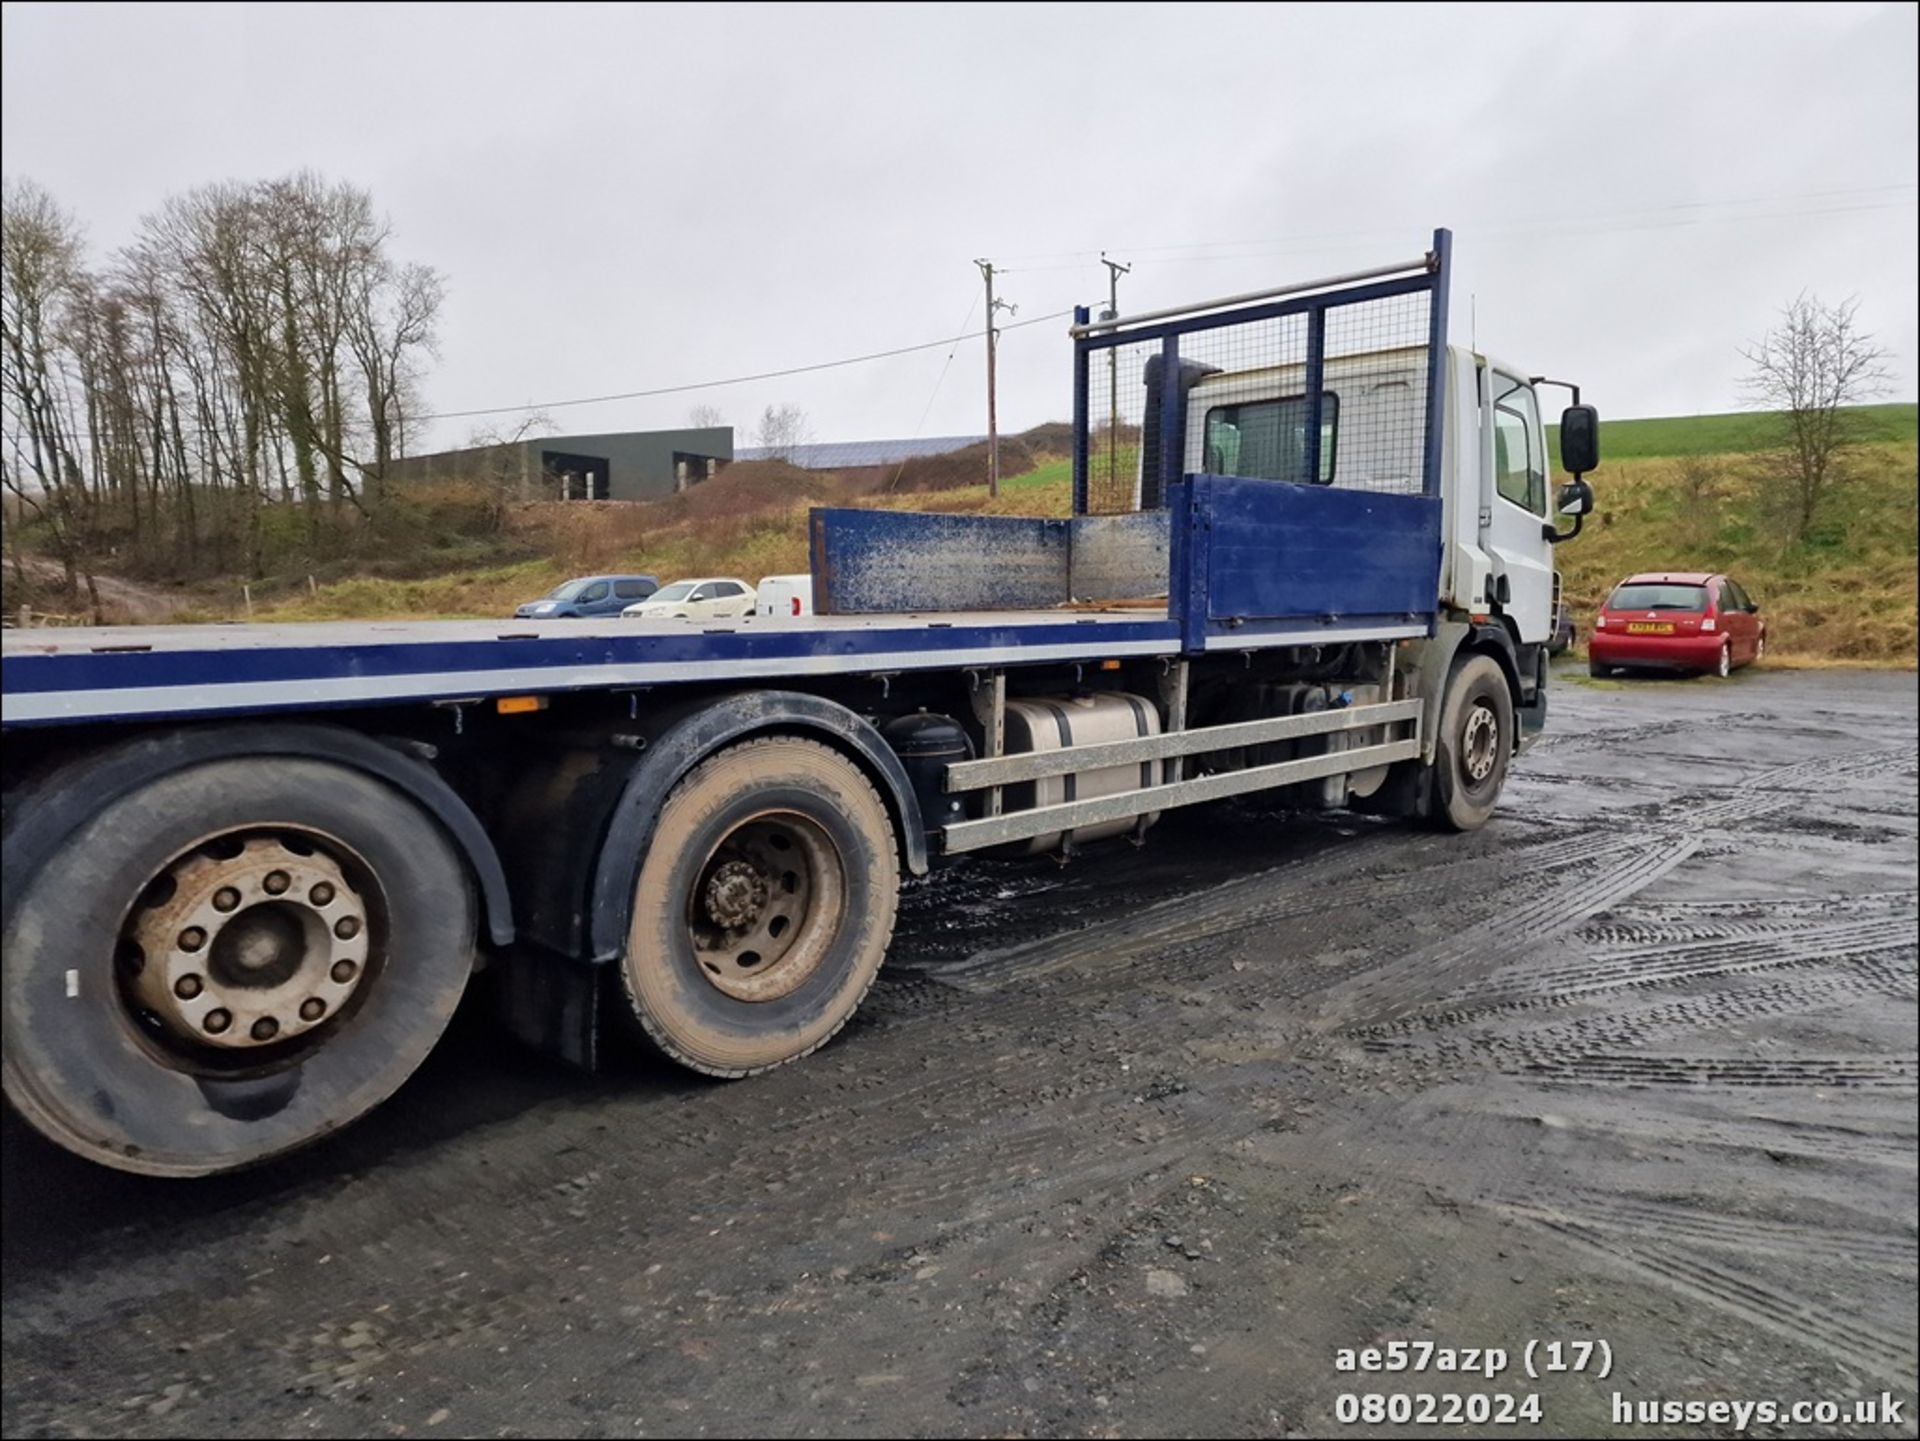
1274	556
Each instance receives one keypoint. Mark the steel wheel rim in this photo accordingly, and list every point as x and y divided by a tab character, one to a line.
765	906
248	947
1481	744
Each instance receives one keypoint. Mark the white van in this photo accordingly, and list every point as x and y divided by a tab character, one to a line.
785	595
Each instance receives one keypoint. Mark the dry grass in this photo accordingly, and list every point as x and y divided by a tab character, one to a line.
1846	595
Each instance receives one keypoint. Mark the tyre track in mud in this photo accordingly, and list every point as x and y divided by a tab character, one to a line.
1872	945
1756	1138
1334	883
1898	1073
1429	973
1789	1314
1664	1220
1682	923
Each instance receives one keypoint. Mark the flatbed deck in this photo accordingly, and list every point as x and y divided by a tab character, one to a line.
69	676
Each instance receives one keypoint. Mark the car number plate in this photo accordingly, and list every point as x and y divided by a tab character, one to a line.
1650	627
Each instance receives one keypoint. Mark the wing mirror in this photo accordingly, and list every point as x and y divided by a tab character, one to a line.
1576	498
1579	441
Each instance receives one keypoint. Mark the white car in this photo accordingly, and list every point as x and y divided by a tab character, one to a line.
713	598
785	595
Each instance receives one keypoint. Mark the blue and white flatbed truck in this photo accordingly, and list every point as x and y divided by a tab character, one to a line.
249	870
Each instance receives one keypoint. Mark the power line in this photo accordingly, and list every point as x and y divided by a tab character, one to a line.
698	384
736	379
939	381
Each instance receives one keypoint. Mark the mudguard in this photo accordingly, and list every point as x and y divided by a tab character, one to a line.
693	738
48	808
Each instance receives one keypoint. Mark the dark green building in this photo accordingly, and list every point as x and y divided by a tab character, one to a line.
626	465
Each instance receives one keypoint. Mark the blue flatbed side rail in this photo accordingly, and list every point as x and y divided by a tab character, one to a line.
74	676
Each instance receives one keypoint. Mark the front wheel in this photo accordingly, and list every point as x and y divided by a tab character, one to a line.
229	963
1475	744
763	909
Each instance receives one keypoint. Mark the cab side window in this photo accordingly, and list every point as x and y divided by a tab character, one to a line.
1519	467
1267	439
594	592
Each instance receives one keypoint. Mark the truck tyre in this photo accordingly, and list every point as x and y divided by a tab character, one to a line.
1475	744
229	963
763	908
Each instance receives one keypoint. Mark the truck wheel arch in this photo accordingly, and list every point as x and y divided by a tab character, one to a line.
1451	640
1496	640
52	806
693	737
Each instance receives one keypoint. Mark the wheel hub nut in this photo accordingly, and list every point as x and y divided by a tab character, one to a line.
736	894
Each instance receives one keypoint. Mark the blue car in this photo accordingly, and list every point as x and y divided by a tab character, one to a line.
590	595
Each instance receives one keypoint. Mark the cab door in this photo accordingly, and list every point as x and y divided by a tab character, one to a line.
1513	518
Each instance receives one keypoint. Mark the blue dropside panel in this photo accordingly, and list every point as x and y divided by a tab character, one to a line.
1274	555
879	562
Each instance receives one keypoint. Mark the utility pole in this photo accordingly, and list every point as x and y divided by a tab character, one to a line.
1114	271
993	347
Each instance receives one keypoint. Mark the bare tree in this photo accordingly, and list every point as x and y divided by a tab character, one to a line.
256	346
783	429
43	288
706	417
1809	369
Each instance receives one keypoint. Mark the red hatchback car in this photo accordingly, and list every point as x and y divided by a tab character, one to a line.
1686	621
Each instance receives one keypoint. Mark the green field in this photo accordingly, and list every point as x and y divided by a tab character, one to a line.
1736	433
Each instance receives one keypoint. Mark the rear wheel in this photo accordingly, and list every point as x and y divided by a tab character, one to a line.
1475	744
1723	667
230	963
1596	669
763	909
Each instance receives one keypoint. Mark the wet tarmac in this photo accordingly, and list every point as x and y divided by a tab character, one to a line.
1135	1146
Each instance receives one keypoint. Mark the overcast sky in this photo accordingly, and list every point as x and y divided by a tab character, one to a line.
624	197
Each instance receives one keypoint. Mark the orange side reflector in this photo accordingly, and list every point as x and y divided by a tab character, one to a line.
518	704
1109	665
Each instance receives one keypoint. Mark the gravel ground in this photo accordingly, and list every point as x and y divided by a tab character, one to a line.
1135	1146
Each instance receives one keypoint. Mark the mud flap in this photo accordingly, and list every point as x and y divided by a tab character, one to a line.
1532	716
550	1002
